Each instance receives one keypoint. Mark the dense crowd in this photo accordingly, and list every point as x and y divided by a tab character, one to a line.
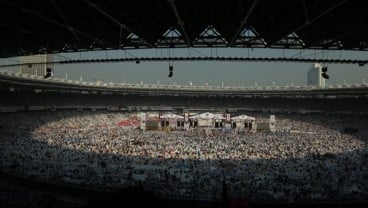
313	161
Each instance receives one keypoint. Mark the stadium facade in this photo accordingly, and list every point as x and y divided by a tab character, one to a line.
36	64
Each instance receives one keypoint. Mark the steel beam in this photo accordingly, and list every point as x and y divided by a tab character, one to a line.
320	15
180	22
305	12
360	62
121	25
71	29
243	22
47	19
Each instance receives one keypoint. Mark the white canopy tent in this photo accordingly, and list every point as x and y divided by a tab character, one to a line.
207	119
219	117
243	122
171	116
242	118
171	120
206	115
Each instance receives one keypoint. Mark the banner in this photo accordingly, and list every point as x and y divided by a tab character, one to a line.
186	117
143	121
228	118
272	118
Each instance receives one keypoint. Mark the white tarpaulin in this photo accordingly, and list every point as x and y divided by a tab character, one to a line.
206	115
205	122
219	117
171	116
243	118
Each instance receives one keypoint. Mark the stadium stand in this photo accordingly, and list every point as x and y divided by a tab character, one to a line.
93	141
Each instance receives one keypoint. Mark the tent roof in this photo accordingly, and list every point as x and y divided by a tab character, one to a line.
243	117
171	115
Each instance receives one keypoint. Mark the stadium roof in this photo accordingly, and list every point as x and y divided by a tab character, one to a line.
32	27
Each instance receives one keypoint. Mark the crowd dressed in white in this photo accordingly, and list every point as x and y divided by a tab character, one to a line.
314	161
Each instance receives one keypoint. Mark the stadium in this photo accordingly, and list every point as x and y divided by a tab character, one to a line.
75	143
91	135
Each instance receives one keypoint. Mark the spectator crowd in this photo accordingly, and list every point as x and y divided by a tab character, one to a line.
314	160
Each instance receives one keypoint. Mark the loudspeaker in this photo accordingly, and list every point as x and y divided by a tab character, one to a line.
171	68
324	75
324	69
48	73
170	74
